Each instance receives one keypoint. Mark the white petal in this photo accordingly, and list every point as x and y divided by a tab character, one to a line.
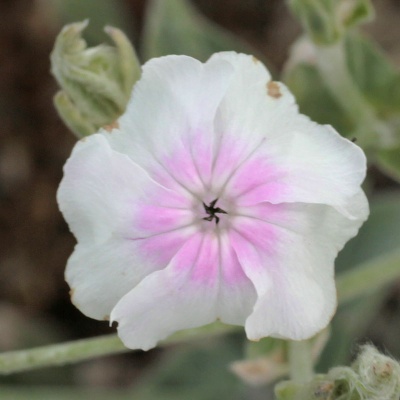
102	190
203	282
247	114
172	109
99	275
311	166
182	296
237	295
127	225
294	277
296	307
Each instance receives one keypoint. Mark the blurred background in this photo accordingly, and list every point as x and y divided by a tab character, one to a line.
35	241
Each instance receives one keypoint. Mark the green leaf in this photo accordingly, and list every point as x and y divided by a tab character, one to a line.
176	27
389	162
377	78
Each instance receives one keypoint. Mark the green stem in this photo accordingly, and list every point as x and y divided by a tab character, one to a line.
333	67
300	361
60	354
84	349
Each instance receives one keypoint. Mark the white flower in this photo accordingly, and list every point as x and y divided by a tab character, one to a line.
214	199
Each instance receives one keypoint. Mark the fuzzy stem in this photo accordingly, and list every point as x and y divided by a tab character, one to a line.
84	349
300	361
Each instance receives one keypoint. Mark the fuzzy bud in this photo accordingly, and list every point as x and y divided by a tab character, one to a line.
326	21
373	376
96	82
379	375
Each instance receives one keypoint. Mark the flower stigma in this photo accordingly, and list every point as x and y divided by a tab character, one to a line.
211	210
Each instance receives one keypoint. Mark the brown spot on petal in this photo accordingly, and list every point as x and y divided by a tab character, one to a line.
71	293
106	318
110	127
255	60
273	90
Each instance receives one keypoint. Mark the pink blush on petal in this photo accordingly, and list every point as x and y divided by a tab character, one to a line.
163	247
256	181
181	167
263	236
190	163
228	158
231	270
206	267
201	148
249	178
155	219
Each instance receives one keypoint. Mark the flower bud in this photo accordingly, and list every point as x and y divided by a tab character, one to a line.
326	21
379	374
373	376
96	82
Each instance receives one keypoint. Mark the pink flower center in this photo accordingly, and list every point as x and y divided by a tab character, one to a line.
202	194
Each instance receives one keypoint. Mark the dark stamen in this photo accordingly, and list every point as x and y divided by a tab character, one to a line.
211	211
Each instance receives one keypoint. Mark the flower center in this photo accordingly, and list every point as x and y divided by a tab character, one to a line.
211	210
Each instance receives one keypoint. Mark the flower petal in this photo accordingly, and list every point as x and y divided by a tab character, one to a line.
312	165
247	113
185	94
100	275
296	307
103	191
202	283
181	296
127	225
237	294
293	274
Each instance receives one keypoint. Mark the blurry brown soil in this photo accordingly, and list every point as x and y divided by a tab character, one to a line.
34	144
